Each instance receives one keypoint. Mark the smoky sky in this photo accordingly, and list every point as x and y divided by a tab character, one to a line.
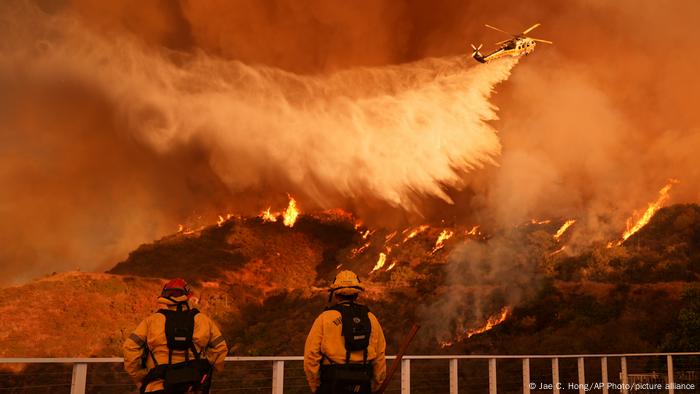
590	127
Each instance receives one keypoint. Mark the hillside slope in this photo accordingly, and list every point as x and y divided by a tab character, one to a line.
259	279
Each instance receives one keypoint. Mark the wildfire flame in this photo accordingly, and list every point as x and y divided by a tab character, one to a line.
361	249
380	262
491	322
180	228
536	221
220	221
291	213
563	229
267	216
474	231
391	266
444	236
192	231
556	252
415	232
635	225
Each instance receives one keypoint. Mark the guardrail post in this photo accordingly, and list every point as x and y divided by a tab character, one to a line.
669	364
79	379
454	383
604	373
526	376
492	376
277	377
581	376
623	367
405	376
555	375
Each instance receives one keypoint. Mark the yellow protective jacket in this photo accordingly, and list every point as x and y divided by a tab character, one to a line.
150	332
326	338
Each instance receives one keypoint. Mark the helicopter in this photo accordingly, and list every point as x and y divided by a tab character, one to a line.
519	45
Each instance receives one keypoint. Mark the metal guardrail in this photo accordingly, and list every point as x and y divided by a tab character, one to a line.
80	366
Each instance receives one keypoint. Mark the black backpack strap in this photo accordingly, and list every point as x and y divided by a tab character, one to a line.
154	374
173	320
347	312
153	357
193	347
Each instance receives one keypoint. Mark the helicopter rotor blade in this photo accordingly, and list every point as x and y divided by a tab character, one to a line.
531	28
497	29
541	40
502	42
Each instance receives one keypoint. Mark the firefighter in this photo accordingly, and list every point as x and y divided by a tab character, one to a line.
344	352
176	335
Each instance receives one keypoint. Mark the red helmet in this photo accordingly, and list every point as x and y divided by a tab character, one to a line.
176	288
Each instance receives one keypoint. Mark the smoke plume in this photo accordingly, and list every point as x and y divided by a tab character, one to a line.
120	119
391	133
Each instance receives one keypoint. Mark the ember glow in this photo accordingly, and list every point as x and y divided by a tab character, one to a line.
563	229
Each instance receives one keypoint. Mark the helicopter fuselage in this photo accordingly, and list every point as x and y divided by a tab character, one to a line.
518	46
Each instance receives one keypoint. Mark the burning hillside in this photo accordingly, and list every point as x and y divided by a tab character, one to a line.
117	131
462	286
310	137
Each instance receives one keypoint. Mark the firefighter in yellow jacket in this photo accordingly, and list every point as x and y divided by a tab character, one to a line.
176	334
345	350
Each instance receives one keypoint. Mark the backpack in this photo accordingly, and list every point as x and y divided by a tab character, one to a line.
356	330
189	375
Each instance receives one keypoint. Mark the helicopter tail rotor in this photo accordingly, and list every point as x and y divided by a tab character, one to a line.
476	54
